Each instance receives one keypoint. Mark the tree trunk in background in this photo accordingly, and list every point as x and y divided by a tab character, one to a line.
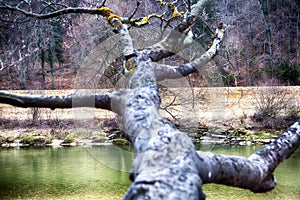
43	69
248	36
58	32
51	63
22	77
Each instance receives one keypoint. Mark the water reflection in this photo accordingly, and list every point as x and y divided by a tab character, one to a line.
113	157
100	173
30	172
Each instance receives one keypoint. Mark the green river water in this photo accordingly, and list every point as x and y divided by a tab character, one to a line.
102	173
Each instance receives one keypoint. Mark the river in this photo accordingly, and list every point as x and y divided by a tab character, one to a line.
101	172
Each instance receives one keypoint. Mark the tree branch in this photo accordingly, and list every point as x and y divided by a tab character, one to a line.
103	11
254	173
69	101
174	41
171	72
126	40
53	14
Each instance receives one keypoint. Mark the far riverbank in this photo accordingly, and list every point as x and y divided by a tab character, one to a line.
209	115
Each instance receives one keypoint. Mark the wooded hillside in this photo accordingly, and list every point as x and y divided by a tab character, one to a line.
261	46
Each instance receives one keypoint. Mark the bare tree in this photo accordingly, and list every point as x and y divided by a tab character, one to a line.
28	45
166	165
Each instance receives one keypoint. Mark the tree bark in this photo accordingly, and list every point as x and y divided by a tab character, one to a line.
255	172
69	101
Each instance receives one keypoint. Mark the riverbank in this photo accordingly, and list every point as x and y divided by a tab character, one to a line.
207	115
109	133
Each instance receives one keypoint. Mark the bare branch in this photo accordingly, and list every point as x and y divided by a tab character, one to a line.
171	72
103	3
69	101
103	11
173	42
57	13
138	3
126	41
254	173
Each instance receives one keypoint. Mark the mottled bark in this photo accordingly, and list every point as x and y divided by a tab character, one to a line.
69	101
165	162
175	40
255	172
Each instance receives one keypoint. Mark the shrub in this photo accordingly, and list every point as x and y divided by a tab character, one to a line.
270	101
68	140
285	71
2	140
274	108
36	140
292	109
121	142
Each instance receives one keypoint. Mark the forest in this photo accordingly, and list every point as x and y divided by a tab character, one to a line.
261	46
